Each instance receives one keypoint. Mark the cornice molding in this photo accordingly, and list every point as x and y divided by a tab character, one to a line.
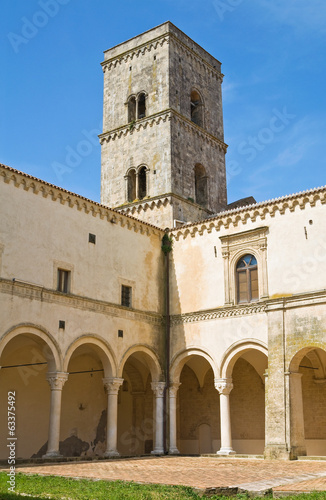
222	312
162	117
130	54
129	129
155	202
159	41
295	301
29	183
42	294
257	211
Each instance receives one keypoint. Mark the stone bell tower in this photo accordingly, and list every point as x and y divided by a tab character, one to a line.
163	150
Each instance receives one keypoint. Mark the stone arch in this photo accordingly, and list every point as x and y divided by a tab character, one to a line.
309	351
131	103
306	387
196	108
201	195
28	353
151	359
99	347
237	350
131	184
192	375
180	359
141	104
142	182
39	334
141	371
242	370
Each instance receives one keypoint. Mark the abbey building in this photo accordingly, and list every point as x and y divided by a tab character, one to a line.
162	320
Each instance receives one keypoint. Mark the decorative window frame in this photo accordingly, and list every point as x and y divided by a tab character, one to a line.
236	245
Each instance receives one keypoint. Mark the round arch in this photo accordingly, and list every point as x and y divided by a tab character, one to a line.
98	346
237	350
306	351
41	336
180	359
150	356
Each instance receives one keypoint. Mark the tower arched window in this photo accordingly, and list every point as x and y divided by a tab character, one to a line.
141	105
196	108
200	185
132	185
131	109
247	279
142	187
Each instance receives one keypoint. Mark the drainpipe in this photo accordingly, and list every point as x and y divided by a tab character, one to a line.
166	248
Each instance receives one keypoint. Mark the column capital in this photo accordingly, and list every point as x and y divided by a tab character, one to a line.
158	389
112	384
57	380
223	385
173	389
293	374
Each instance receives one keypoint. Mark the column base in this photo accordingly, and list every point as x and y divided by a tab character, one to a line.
52	454
226	451
111	453
174	451
157	451
276	452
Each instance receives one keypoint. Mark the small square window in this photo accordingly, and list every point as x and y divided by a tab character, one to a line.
126	293
92	238
63	281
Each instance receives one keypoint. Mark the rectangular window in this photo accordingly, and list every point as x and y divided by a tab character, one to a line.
126	295
63	281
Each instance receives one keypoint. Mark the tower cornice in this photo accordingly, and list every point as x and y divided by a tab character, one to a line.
153	44
162	117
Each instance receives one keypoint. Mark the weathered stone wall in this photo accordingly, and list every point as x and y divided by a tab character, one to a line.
166	65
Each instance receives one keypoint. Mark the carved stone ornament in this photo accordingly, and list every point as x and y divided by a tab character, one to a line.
158	388
112	384
57	380
223	385
173	389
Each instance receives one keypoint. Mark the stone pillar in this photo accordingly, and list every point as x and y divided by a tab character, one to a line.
126	178
173	389
224	387
56	381
296	434
276	393
137	185
112	386
158	389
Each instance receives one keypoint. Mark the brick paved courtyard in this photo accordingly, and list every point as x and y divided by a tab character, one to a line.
204	473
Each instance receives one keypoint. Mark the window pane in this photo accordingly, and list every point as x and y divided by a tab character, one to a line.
126	296
241	263
243	287
254	284
253	261
63	281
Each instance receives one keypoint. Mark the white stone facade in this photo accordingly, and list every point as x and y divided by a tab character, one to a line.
98	363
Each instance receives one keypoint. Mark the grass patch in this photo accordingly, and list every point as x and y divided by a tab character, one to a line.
35	487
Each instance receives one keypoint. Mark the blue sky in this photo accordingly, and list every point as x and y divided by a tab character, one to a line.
273	59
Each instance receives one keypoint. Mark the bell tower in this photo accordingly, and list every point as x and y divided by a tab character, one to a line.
163	150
